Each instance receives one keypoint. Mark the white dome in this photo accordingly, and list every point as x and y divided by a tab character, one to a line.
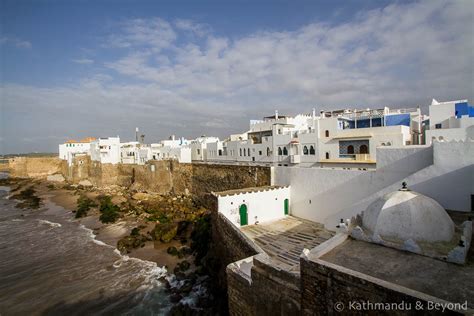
408	215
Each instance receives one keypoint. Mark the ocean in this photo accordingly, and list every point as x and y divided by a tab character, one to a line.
52	265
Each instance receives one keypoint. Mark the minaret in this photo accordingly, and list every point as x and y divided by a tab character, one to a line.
276	114
136	134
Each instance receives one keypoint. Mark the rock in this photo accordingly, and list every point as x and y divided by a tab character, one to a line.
172	251
55	178
85	183
175	298
182	266
181	309
165	231
141	196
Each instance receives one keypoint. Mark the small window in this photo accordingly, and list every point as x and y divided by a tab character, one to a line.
285	151
327	155
198	151
350	149
327	133
438	126
268	151
240	151
279	151
259	152
305	150
311	150
248	152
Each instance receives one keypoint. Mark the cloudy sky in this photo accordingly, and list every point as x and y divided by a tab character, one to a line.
71	69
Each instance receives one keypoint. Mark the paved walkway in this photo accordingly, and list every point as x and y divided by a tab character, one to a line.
285	239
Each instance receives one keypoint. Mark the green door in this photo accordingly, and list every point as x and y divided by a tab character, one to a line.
243	215
287	206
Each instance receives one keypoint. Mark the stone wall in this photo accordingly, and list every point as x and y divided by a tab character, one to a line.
168	176
29	167
323	285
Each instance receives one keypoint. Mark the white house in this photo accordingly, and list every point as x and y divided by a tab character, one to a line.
106	150
72	148
133	153
251	206
199	147
451	120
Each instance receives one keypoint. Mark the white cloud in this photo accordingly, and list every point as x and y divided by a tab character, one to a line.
15	42
400	55
198	29
84	61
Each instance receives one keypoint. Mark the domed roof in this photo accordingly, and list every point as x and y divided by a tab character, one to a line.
405	215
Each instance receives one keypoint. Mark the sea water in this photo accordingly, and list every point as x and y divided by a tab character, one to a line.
50	264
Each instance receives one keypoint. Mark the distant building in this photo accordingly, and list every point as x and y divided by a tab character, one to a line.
199	147
333	137
451	120
106	150
72	148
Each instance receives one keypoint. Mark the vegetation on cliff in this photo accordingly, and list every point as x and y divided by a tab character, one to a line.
109	211
84	204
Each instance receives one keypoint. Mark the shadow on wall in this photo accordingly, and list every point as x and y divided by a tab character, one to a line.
346	187
450	188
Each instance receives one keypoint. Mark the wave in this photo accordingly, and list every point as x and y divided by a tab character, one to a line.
43	221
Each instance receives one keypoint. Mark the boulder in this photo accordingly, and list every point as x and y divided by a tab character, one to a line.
56	178
85	183
165	231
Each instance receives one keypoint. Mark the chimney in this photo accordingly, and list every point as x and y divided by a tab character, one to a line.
314	112
136	134
276	114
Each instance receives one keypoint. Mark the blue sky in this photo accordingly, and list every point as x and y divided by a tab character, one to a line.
71	69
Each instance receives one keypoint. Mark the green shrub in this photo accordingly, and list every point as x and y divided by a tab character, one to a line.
83	206
109	211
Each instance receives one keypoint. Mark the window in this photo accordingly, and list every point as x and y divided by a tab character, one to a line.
363	149
305	150
198	151
350	149
268	151
438	126
248	152
312	151
285	151
327	133
259	152
279	151
327	155
220	152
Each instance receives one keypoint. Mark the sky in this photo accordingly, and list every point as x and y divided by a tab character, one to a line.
77	68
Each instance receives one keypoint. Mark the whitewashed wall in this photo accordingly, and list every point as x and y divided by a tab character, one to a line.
321	194
261	206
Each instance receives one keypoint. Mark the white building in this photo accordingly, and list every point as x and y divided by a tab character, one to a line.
106	150
72	148
199	147
252	206
334	138
134	153
451	120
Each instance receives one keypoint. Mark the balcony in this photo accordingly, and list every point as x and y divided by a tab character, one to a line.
355	158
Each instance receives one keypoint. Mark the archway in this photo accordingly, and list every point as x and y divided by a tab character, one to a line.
363	149
350	149
243	215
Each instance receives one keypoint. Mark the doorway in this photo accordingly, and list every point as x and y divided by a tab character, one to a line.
286	206
243	215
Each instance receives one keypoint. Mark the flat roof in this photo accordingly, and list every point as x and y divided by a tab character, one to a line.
448	281
347	161
249	190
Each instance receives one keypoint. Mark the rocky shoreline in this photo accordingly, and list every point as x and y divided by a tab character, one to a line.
170	230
